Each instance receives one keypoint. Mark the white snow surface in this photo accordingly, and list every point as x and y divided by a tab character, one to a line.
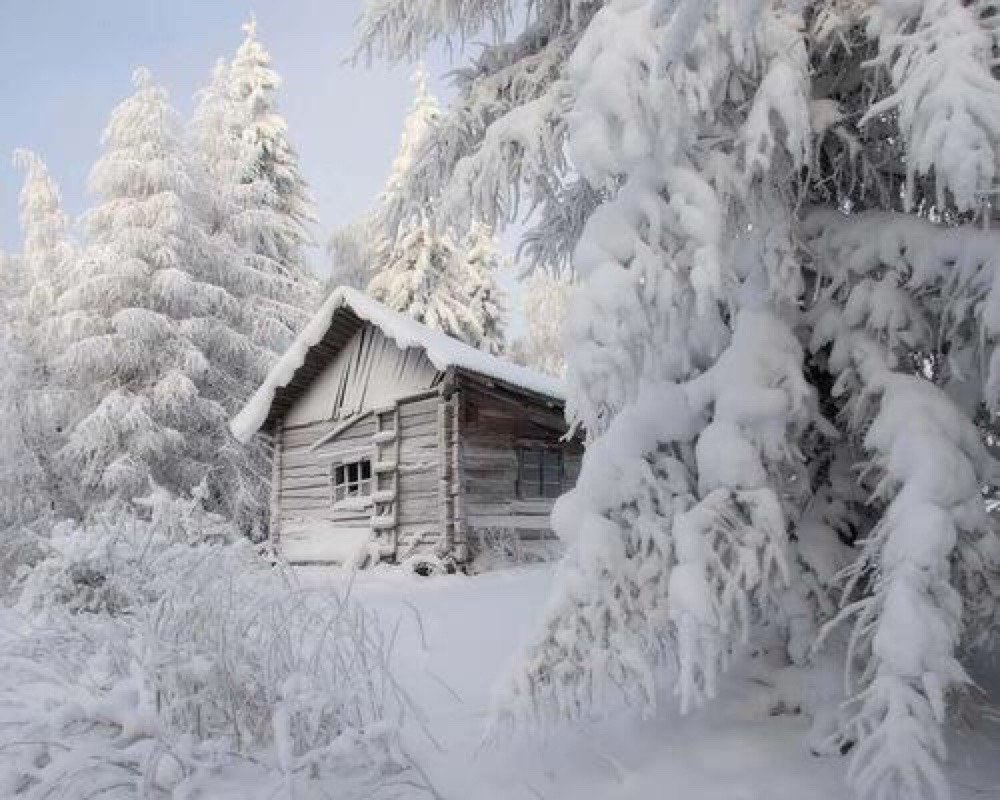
455	638
442	350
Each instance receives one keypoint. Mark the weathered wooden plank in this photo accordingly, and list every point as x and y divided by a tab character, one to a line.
501	475
304	466
508	522
316	490
349	438
420	404
417	441
422	437
274	521
308	435
475	450
292	484
412	419
345	427
295	505
326	516
456	487
421	517
325	458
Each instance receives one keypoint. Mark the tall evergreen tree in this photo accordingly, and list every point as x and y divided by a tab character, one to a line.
422	266
270	198
23	484
47	252
785	334
40	272
138	303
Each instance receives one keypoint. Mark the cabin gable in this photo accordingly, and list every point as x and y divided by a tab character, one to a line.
369	371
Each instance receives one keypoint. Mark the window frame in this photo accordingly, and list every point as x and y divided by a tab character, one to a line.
540	460
351	479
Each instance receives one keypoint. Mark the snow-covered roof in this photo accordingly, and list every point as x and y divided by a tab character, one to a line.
443	351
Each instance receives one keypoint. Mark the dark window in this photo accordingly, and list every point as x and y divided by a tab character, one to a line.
352	480
539	473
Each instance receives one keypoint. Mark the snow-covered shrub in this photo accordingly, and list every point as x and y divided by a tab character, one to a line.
123	558
496	547
226	677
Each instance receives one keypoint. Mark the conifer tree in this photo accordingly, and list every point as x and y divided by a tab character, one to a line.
784	336
138	303
44	268
47	253
270	198
23	485
424	267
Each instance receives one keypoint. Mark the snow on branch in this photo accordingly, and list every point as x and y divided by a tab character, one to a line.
939	54
399	29
878	260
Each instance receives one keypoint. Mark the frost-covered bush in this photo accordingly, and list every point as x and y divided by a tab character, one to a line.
122	558
215	674
496	548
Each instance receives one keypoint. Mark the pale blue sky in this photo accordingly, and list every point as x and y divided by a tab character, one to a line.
64	64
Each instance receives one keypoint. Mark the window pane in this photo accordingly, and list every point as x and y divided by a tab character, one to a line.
366	470
338	493
552	489
366	487
529	457
352	473
552	459
529	485
338	478
528	476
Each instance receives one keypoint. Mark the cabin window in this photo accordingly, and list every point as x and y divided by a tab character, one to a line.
539	473
353	479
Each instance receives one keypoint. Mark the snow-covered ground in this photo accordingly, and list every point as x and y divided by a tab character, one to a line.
455	636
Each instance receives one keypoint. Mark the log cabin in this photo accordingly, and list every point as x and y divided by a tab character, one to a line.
393	442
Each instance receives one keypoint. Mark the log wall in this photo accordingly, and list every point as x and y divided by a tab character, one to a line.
493	426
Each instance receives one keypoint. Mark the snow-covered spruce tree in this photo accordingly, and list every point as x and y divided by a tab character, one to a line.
423	267
39	273
23	484
47	253
242	342
784	337
545	298
141	298
268	199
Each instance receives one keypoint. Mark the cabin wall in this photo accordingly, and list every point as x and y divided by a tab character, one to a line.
419	498
315	529
311	527
492	428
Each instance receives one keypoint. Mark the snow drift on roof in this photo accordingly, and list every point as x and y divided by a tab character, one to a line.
442	350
